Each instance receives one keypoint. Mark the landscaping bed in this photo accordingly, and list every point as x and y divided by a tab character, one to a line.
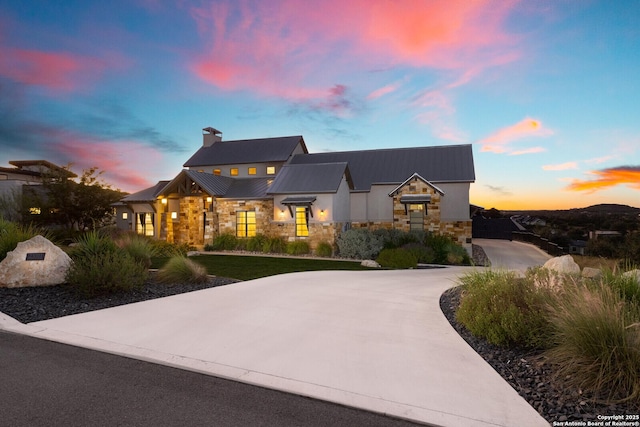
49	302
525	370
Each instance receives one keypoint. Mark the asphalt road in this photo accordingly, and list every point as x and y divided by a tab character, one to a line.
43	383
512	255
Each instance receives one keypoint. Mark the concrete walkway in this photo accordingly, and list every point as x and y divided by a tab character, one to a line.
375	340
512	255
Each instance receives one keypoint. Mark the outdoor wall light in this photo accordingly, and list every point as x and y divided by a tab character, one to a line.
163	201
174	215
209	199
281	213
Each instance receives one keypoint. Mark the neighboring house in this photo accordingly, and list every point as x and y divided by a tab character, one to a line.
577	247
24	173
274	186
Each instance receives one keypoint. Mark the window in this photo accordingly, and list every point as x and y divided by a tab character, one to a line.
234	171
125	215
245	223
416	217
271	170
34	211
217	171
253	171
144	225
302	219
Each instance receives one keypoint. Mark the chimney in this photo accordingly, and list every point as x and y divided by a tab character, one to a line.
210	136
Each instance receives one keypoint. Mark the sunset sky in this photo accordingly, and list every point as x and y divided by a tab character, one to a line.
548	92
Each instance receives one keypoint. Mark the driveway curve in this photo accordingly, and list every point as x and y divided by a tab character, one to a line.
375	340
512	255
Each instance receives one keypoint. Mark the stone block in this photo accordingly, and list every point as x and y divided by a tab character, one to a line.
35	262
591	273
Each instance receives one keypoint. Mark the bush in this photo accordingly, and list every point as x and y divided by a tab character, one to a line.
397	258
11	234
504	309
180	269
140	248
224	242
299	247
359	243
440	246
597	341
256	243
162	248
94	274
457	255
423	254
275	245
324	249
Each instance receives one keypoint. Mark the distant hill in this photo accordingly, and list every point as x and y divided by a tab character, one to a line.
601	209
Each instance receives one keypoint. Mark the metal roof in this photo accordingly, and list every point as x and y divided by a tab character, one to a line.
214	185
309	178
146	195
299	200
248	188
246	151
448	163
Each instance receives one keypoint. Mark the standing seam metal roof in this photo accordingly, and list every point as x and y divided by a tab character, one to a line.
309	178
449	163
246	151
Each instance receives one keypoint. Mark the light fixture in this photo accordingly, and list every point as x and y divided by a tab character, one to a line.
164	201
209	199
174	215
281	213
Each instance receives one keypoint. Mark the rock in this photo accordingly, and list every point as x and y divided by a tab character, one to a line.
562	264
633	273
193	253
591	273
35	262
370	263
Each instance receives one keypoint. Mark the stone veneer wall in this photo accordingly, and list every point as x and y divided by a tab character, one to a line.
226	210
458	230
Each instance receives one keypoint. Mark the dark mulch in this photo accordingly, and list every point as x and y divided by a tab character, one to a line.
534	380
41	303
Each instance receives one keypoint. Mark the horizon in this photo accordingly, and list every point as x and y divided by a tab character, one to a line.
545	92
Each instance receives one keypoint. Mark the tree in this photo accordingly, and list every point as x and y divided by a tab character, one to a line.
62	202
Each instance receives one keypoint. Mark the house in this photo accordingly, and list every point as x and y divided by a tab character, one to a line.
274	186
24	173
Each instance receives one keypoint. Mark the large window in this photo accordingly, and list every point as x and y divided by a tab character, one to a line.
302	219
144	225
234	172
245	223
253	171
416	217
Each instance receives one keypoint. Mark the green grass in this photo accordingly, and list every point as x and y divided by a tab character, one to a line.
254	267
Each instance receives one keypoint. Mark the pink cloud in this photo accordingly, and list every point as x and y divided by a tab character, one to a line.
561	166
59	71
532	150
287	49
499	141
385	90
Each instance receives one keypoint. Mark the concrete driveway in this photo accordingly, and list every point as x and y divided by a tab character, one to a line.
375	340
512	255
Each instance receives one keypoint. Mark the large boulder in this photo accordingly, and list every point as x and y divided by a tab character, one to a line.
633	273
563	264
36	262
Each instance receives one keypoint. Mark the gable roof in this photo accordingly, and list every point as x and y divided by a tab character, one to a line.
310	178
416	176
449	163
246	151
146	195
248	188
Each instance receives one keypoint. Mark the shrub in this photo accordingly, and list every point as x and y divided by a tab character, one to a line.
299	247
180	269
139	247
92	273
626	286
163	248
457	255
224	242
423	254
597	341
11	234
276	245
324	249
397	258
359	243
92	244
504	309
256	243
440	246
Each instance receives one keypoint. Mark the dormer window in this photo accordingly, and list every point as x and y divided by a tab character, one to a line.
234	172
253	171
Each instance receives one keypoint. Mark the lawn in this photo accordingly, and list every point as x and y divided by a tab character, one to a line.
252	267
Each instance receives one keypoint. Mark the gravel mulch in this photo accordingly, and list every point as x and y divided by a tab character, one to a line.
534	380
49	302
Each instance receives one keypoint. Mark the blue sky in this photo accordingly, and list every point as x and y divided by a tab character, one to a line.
546	91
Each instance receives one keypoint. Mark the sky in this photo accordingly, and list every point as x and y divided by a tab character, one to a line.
547	92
